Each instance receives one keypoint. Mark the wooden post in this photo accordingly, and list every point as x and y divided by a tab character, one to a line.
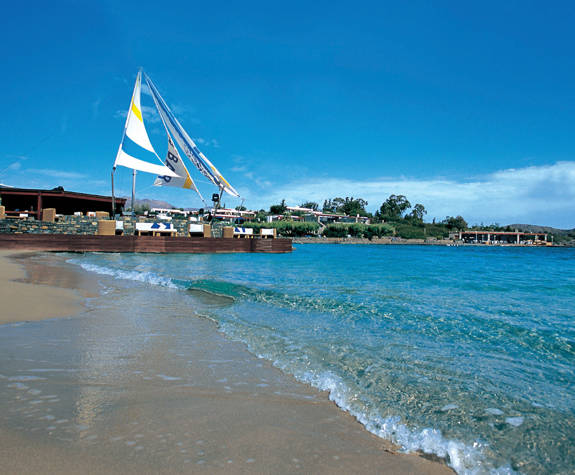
39	206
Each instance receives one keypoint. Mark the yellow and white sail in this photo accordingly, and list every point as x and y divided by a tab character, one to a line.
135	128
136	131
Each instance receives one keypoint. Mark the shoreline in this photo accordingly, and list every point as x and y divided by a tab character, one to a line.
308	433
397	241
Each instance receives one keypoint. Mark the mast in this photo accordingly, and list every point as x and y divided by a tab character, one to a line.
119	149
133	193
135	129
113	197
221	193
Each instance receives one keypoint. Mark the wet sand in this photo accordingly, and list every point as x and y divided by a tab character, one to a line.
24	301
124	408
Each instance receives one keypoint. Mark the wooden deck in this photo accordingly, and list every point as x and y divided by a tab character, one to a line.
158	244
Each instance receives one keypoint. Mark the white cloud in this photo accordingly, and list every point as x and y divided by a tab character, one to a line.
145	89
537	194
63	174
120	114
207	142
15	165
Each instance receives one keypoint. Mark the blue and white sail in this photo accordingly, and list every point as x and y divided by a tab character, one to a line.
136	131
175	163
187	144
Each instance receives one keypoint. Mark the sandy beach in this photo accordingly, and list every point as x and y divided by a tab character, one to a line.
24	301
92	407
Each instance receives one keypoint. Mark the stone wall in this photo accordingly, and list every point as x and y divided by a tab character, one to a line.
78	225
64	225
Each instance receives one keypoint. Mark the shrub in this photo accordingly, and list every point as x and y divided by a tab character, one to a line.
409	231
369	231
337	230
378	230
438	231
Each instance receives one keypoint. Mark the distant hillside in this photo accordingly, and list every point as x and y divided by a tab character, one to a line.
533	228
564	237
150	203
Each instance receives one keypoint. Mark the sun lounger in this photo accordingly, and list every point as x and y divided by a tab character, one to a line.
201	230
155	229
268	233
240	232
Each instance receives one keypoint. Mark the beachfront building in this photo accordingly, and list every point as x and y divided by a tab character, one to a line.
310	215
502	237
172	212
228	214
31	203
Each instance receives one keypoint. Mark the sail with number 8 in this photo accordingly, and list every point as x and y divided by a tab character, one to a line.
187	144
175	163
173	171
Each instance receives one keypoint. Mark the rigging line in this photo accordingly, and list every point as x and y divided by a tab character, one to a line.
191	150
168	133
161	105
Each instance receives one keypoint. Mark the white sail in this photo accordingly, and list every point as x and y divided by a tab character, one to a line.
175	163
187	144
135	128
125	160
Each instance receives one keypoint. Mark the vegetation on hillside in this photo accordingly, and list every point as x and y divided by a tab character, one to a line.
395	217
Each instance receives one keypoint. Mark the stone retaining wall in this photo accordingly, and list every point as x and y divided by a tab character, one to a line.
83	225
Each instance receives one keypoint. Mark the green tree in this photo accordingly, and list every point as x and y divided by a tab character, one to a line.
241	208
353	206
328	206
393	208
417	213
310	204
349	205
457	223
261	215
278	209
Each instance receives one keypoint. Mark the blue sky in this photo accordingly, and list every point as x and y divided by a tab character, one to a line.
466	108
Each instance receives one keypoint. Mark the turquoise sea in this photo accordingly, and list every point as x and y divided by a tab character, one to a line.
467	353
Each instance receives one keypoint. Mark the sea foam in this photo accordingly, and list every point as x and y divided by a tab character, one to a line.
138	276
466	459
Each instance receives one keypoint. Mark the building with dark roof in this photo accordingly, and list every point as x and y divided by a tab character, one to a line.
32	202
